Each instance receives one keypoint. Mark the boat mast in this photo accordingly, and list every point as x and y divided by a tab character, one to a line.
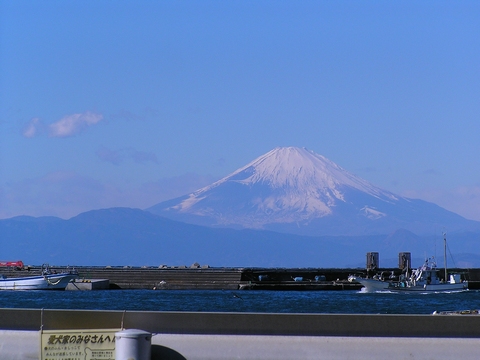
445	254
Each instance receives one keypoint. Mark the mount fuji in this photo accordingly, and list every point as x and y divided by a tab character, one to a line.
294	190
288	208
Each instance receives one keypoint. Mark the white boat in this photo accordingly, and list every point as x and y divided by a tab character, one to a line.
370	284
426	278
48	280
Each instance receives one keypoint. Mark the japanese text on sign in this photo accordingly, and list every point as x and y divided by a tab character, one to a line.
78	344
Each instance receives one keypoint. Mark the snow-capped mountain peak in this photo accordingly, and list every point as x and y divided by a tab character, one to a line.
300	167
296	190
287	184
299	171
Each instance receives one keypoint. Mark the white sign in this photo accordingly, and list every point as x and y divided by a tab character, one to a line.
98	344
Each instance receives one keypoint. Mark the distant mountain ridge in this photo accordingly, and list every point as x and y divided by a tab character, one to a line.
124	236
295	190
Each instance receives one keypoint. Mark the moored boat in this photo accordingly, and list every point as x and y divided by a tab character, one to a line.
48	280
425	278
370	284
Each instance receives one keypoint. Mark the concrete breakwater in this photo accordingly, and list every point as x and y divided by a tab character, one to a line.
207	278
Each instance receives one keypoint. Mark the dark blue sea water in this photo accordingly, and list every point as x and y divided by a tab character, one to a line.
243	301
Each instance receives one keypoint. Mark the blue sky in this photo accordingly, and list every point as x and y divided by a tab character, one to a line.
129	103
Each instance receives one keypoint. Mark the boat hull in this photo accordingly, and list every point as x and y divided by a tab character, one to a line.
46	282
430	288
371	285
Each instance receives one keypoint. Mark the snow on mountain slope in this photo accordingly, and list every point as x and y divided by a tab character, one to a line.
287	184
292	189
302	169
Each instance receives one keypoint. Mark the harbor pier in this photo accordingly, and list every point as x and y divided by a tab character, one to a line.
210	278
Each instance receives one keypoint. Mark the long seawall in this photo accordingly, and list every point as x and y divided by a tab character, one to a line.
193	335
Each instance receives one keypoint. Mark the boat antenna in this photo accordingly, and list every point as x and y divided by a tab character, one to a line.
451	256
445	253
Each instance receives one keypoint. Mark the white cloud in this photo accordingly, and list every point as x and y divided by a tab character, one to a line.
69	125
73	124
32	128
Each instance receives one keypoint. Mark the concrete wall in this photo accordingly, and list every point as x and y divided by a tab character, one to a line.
311	347
20	345
259	336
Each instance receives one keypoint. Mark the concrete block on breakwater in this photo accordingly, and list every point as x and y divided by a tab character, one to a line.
88	284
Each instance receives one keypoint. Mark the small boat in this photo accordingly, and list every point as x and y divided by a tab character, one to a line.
371	284
48	280
426	278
